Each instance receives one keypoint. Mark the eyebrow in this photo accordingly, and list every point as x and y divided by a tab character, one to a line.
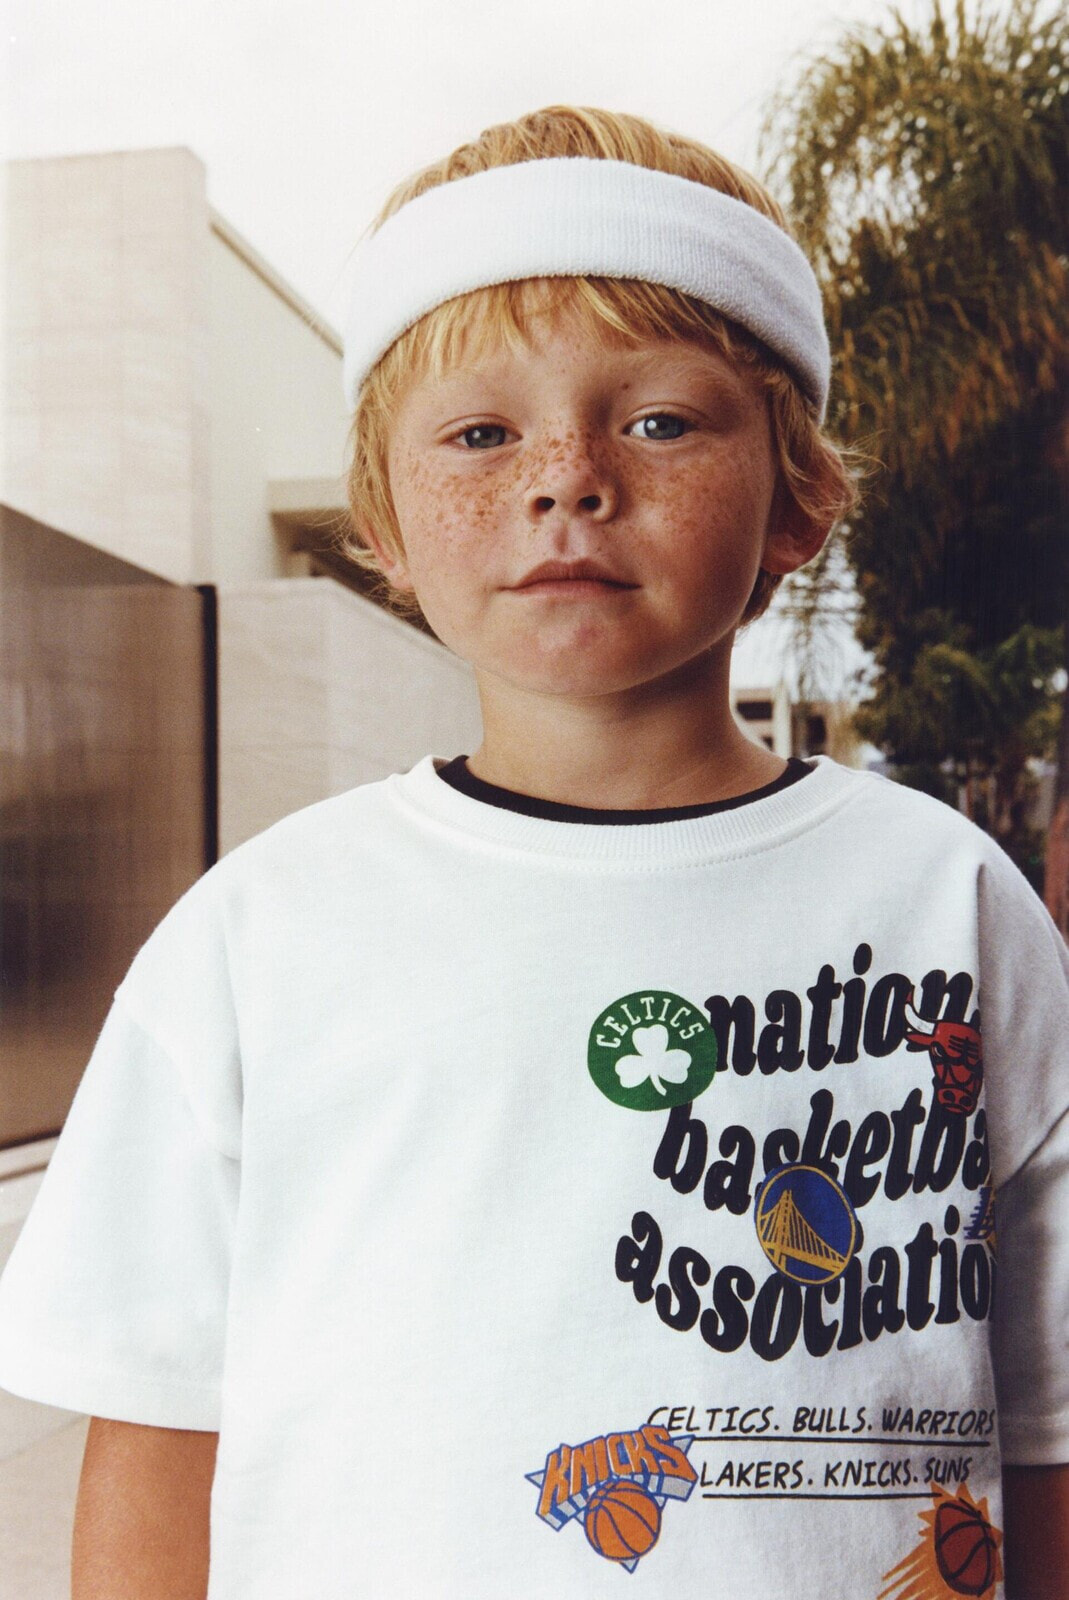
687	362
680	354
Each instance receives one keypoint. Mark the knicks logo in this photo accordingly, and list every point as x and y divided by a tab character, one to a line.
618	1485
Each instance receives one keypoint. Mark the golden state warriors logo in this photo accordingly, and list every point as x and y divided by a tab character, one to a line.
617	1485
805	1224
651	1050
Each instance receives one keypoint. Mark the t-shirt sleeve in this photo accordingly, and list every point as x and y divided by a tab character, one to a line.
1030	1331
1024	1014
113	1302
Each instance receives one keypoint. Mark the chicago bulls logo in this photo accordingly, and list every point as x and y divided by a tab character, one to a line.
957	1058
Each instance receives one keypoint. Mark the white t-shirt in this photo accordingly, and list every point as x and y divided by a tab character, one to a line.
559	1208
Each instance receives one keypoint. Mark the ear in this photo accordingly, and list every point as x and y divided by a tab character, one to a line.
392	563
792	538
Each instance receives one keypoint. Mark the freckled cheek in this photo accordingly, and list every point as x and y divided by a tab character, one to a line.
698	498
448	524
710	525
467	522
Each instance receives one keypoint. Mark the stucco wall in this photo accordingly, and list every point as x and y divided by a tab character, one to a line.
105	327
276	405
320	690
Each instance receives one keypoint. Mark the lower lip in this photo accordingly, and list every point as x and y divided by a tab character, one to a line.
576	587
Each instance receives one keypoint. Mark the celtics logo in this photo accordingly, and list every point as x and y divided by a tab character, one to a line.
651	1050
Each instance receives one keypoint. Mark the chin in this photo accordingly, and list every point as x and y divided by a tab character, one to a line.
573	675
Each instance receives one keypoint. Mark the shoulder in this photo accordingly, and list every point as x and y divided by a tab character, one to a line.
892	815
900	836
290	862
312	832
896	800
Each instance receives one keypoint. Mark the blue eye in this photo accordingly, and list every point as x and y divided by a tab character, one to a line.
481	427
663	416
476	438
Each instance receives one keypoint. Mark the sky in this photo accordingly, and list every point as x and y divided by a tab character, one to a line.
306	113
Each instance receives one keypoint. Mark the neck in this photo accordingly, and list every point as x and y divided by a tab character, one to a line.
671	743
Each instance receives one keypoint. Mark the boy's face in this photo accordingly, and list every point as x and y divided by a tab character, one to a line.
656	463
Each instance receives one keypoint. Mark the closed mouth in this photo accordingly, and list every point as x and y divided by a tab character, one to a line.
574	583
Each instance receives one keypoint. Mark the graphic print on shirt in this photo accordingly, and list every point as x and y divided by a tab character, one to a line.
804	1189
847	1152
805	1224
650	1050
957	1553
981	1224
957	1059
618	1485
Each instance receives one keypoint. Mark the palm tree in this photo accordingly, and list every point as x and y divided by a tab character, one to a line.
926	172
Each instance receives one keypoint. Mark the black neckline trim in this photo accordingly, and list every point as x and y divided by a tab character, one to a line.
458	775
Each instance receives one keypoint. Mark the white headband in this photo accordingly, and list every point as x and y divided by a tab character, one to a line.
576	216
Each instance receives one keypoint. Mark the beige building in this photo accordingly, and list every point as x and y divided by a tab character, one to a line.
169	400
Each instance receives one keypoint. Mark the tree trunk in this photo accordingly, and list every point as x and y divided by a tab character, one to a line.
1056	867
1056	860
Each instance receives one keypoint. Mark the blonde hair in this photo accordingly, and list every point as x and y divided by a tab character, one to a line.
816	472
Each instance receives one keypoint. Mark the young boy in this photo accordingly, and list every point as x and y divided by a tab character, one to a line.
571	1170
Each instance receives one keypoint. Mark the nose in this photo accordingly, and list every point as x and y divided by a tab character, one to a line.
572	478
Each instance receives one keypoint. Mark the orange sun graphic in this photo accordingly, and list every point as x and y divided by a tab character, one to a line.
958	1553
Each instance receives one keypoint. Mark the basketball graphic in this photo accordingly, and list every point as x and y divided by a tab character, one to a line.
616	1486
957	1553
965	1548
622	1521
